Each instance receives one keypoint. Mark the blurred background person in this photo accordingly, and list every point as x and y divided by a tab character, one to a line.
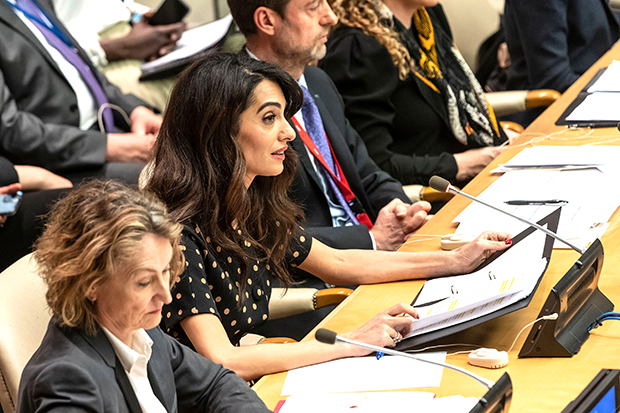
55	106
408	91
118	38
108	257
553	42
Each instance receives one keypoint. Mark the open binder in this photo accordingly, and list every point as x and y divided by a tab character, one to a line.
421	340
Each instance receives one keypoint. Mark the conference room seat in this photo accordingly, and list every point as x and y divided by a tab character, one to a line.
24	317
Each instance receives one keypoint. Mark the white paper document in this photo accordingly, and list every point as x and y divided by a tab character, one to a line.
558	157
192	42
579	214
411	401
601	106
609	81
364	374
355	402
457	299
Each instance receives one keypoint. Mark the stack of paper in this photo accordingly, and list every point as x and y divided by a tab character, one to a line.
584	176
603	100
364	374
418	402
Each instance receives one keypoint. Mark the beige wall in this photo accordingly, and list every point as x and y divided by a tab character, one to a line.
472	21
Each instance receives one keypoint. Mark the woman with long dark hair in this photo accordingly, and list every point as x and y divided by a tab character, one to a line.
222	165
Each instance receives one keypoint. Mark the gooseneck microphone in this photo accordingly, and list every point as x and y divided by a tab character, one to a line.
442	185
330	337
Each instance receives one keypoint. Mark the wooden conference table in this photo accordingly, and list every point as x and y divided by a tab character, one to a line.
539	385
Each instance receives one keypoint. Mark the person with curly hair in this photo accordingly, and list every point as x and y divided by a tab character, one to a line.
408	91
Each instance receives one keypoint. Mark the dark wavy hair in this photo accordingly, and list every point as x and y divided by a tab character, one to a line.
198	168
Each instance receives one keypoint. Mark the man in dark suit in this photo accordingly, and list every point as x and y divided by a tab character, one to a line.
292	34
49	111
553	42
86	372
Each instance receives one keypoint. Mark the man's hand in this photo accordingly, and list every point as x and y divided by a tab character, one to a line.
34	177
143	42
129	147
144	121
471	162
397	221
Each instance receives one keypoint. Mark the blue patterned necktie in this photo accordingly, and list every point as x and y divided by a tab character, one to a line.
316	131
30	7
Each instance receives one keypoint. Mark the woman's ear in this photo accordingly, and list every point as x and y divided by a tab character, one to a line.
91	294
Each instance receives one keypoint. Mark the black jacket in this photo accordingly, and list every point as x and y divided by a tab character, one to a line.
74	372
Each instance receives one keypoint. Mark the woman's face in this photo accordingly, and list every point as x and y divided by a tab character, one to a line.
133	298
264	132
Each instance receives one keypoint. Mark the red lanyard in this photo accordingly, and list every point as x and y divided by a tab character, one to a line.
340	180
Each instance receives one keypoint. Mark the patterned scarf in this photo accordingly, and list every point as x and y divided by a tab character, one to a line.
440	65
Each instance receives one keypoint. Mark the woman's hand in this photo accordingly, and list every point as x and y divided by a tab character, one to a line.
385	329
471	162
470	256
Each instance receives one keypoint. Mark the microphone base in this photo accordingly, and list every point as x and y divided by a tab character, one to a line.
578	301
497	399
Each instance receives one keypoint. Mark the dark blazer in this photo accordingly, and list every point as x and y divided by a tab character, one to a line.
404	123
553	42
373	187
39	117
74	372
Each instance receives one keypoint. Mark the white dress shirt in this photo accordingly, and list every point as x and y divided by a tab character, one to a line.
134	361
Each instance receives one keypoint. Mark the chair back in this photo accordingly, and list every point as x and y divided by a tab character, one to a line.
23	321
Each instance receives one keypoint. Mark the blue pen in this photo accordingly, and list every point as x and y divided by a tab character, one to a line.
380	354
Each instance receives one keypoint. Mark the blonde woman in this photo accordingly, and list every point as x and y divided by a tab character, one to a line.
408	91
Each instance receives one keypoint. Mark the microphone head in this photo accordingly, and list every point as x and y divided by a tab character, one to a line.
326	336
439	184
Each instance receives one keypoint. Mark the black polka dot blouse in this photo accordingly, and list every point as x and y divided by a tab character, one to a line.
211	284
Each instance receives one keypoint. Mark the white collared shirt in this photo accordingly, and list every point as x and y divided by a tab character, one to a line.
85	100
134	361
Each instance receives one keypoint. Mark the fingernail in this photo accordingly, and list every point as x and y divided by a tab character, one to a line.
508	242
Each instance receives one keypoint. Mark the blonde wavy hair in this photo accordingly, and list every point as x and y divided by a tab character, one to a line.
367	15
97	229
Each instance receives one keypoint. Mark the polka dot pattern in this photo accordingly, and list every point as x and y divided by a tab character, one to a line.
219	288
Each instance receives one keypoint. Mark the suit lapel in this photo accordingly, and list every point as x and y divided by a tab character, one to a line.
10	18
434	99
304	158
51	14
101	344
155	385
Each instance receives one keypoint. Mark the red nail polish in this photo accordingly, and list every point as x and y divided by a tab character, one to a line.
508	242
